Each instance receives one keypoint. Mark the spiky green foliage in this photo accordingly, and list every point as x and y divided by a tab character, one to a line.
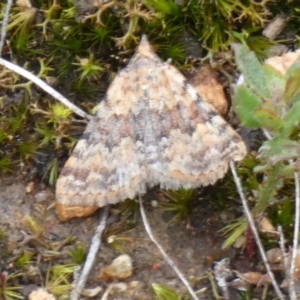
58	280
24	260
8	290
78	254
180	203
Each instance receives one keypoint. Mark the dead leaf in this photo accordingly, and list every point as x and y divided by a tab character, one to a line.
250	277
274	256
206	83
265	225
264	280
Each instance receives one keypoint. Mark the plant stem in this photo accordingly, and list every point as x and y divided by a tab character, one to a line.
163	252
292	292
4	24
94	248
48	89
254	231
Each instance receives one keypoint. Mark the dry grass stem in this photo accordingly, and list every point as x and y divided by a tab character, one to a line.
48	89
254	231
163	252
94	248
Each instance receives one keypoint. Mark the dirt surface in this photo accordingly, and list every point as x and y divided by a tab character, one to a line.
193	249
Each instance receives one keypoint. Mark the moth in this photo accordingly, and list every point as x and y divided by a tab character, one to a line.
151	128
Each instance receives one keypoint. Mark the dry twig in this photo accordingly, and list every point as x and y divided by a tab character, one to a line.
89	262
292	292
4	24
43	85
163	252
254	231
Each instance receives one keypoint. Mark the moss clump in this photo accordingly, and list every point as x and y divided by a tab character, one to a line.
79	47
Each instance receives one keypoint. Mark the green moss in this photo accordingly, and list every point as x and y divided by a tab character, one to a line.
77	46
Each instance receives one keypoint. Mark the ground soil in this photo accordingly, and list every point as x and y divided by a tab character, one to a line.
193	249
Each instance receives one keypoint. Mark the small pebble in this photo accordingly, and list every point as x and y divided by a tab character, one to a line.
91	292
29	187
40	294
43	196
120	268
154	203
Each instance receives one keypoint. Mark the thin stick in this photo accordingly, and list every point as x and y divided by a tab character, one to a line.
43	85
286	262
292	292
4	24
284	253
162	251
254	231
89	262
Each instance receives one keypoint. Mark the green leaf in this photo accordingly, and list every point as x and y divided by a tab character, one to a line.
235	230
275	82
279	149
268	189
162	292
254	73
246	103
285	215
294	67
291	120
292	89
262	168
287	172
268	118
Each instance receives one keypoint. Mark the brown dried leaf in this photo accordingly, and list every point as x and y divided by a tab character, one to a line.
274	256
206	83
266	226
265	279
250	277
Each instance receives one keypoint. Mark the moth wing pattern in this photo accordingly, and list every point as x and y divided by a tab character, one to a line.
151	128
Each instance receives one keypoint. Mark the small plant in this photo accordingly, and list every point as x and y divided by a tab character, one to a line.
77	254
33	226
24	260
52	170
270	101
181	203
130	211
282	213
234	231
89	68
58	280
7	291
55	126
163	292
